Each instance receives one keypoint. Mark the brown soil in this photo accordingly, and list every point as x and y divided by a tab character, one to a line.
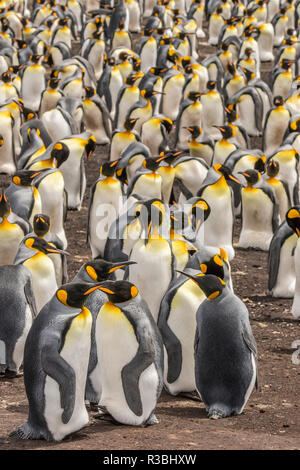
271	419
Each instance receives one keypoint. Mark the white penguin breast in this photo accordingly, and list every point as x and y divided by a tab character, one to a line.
10	237
20	344
75	352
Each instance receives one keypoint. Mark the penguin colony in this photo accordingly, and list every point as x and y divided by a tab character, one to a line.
155	305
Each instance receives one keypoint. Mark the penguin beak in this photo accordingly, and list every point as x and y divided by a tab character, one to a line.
117	266
99	287
58	251
235	179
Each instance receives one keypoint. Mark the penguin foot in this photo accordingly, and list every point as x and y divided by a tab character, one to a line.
93	406
25	432
12	374
190	395
216	414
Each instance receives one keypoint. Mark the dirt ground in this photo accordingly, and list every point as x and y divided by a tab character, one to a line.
271	419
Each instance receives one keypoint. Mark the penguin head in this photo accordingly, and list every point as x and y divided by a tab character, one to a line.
200	211
90	146
211	85
248	74
148	93
169	156
28	114
39	244
136	64
231	113
60	152
108	168
5	209
224	171
260	164
1	140
74	295
211	285
213	266
6	77
194	95
278	101
293	219
129	123
231	68
35	58
124	56
151	214
25	177
150	164
272	168
89	91
53	83
101	270
252	176
131	79
41	224
195	131
117	291
226	131
286	64
168	124
158	71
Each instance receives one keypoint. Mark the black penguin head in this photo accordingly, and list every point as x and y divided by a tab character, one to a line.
90	146
41	224
157	71
200	211
101	270
6	77
25	177
195	131
131	79
211	285
213	266
29	114
252	176
74	295
224	170
60	152
260	164
117	291
53	83
108	168
89	91
226	131
169	156
272	168
285	64
231	68
231	113
248	74
136	64
35	58
211	84
39	244
1	140
151	214
124	56
168	124
194	95
5	209
150	164
293	219
148	93
129	123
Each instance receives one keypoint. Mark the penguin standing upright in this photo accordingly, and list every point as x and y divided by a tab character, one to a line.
128	95
281	264
213	111
276	124
216	191
17	313
293	220
131	370
33	83
23	196
190	114
12	231
104	207
225	146
260	212
60	342
154	270
109	85
281	189
33	254
224	385
7	151
121	138
96	117
50	96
